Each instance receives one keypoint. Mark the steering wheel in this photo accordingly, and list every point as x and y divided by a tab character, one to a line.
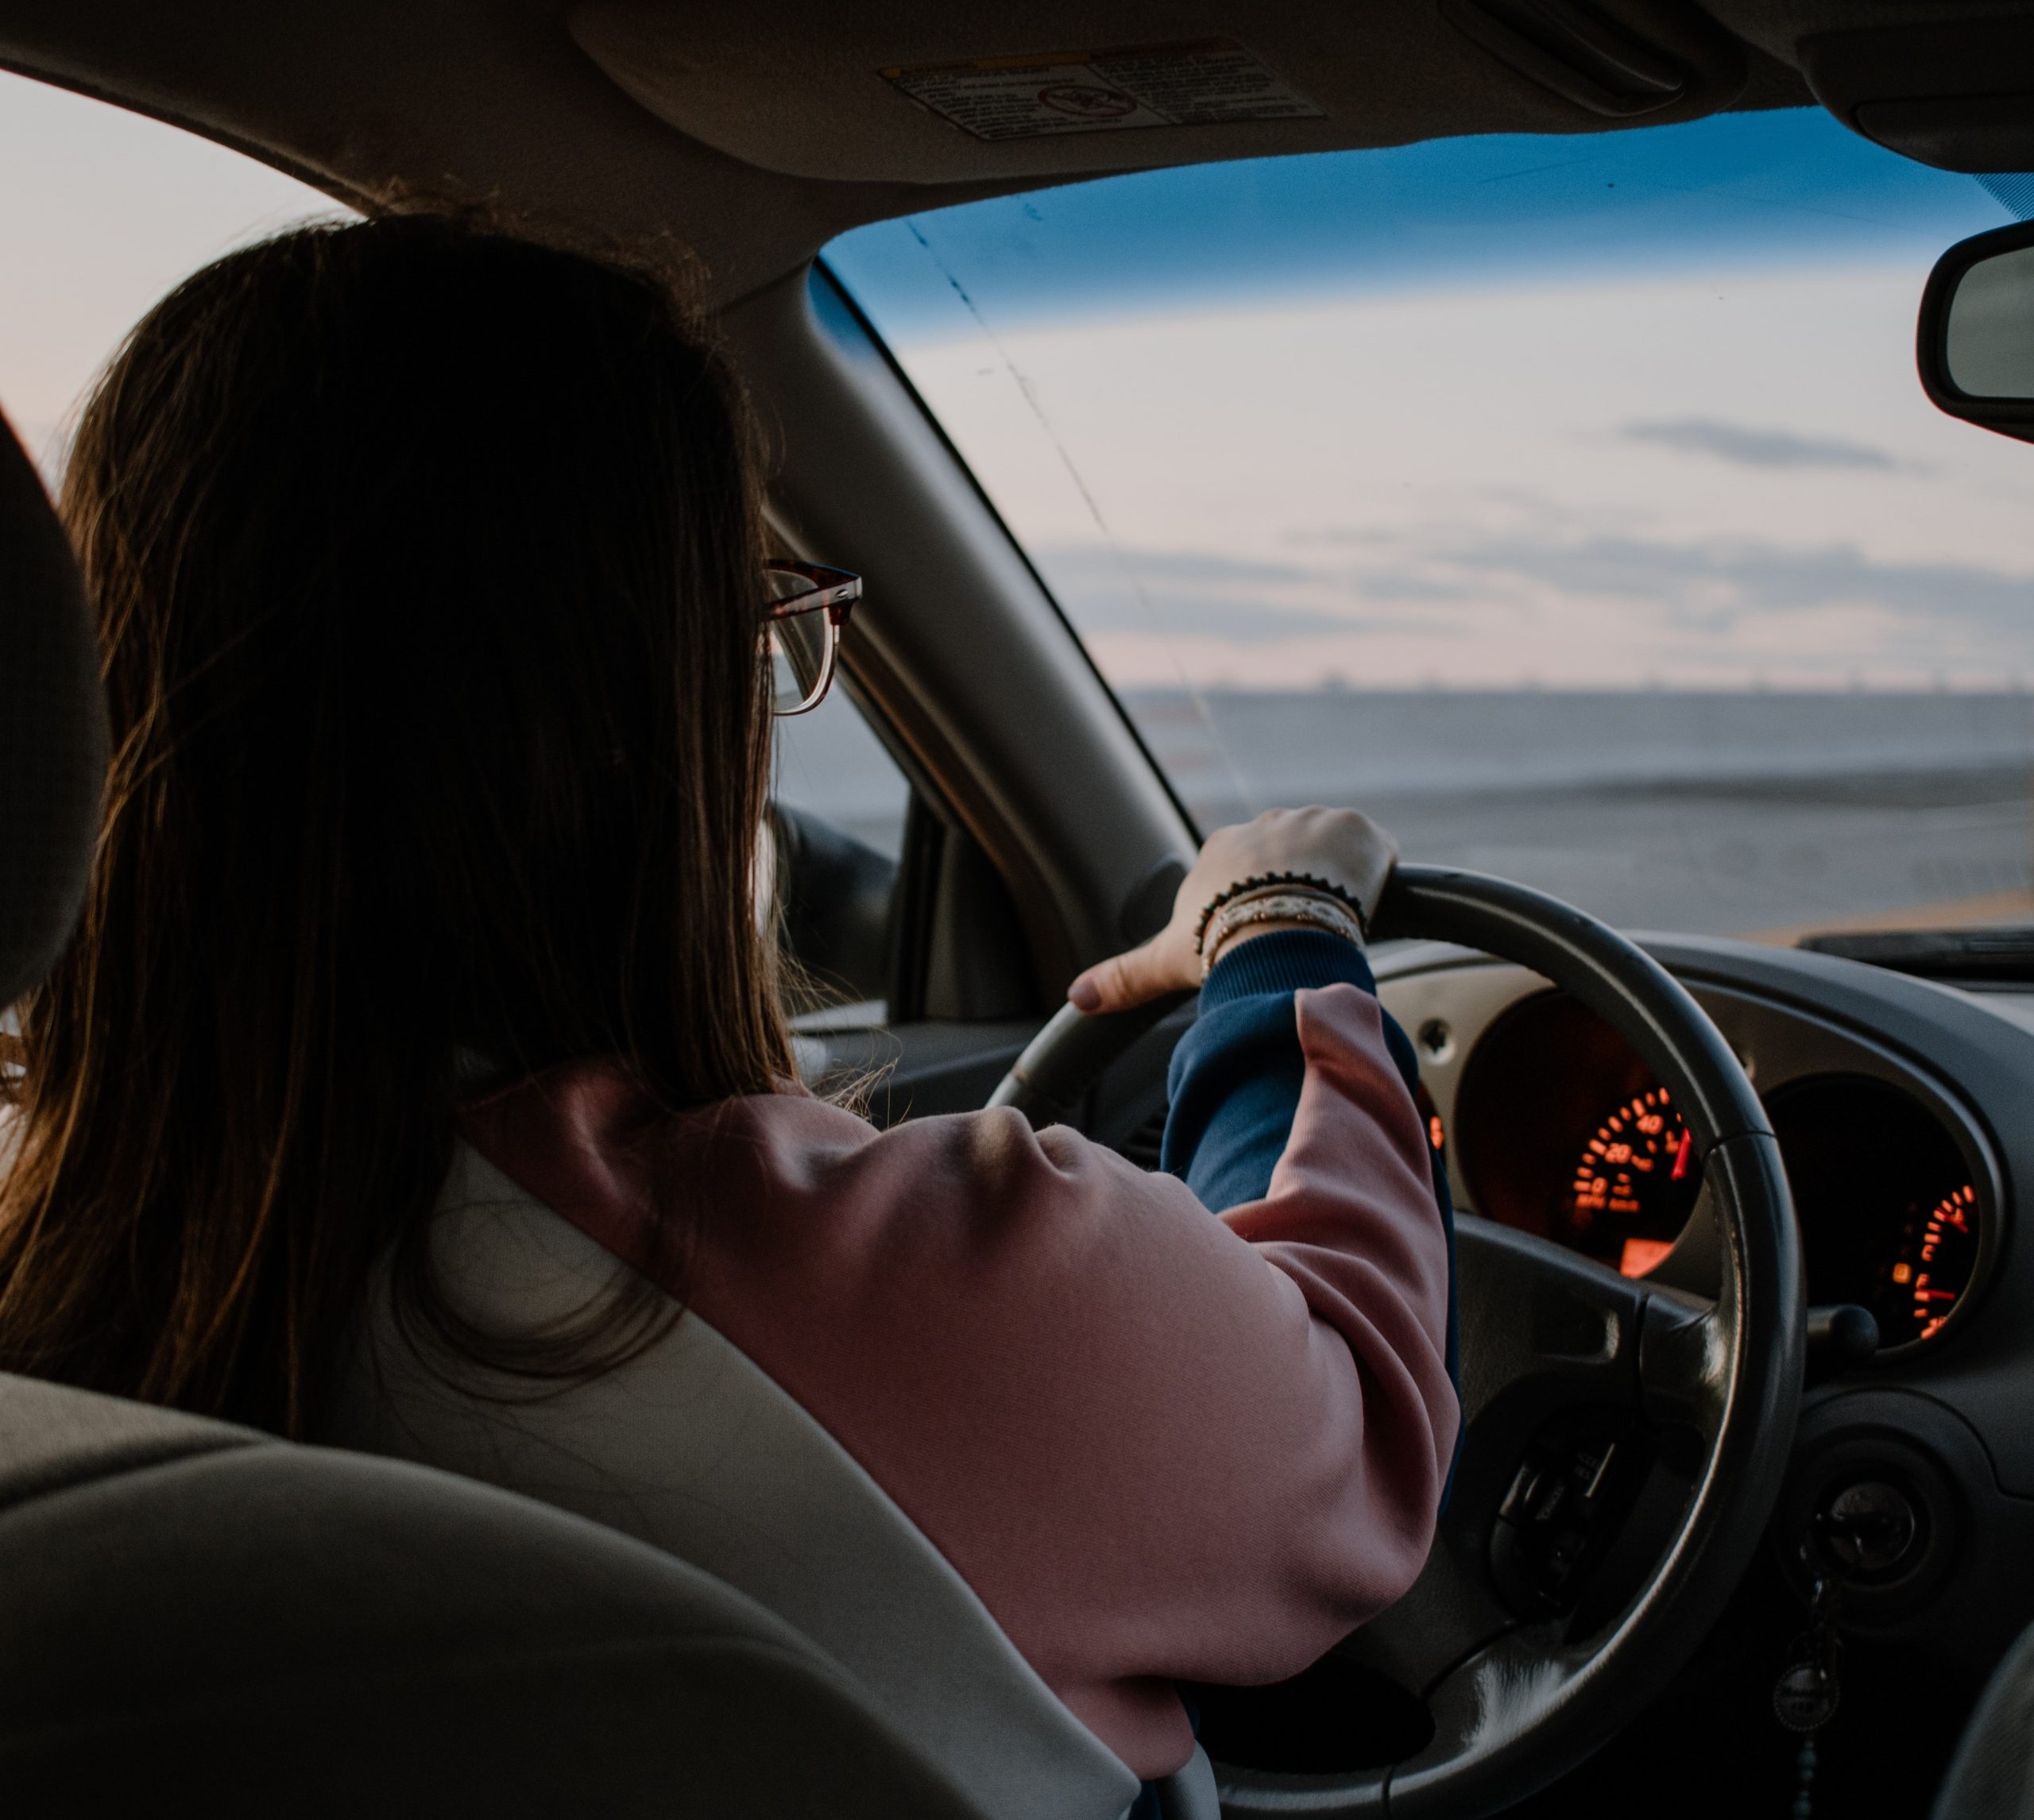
1529	1647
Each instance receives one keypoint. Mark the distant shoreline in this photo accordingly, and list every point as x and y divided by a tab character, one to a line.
1276	745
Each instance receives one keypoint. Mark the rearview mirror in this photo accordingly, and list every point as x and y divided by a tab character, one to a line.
1976	342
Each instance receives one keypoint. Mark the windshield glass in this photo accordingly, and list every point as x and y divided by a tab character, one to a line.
1570	504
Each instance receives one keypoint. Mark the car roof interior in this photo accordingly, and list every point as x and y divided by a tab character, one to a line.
752	135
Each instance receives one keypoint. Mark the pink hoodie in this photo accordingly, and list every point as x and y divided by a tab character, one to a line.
1157	1444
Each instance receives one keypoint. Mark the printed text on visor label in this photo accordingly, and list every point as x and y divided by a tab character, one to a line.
1205	84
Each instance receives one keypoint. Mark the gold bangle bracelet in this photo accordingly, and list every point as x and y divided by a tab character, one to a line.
1316	909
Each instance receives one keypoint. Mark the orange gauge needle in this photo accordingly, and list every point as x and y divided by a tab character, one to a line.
1680	1156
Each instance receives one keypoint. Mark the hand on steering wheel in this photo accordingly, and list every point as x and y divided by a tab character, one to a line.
1338	845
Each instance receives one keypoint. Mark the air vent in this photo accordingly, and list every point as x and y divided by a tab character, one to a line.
1648	58
2001	956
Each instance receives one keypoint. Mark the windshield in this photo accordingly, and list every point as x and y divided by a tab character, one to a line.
1570	504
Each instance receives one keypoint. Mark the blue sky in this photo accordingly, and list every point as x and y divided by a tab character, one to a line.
1787	186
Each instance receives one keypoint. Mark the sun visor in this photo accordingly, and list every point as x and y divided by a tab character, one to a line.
1958	94
927	92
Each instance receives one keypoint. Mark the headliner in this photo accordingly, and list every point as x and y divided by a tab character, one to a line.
750	134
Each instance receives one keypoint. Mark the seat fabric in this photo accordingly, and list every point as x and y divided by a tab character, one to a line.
196	1620
1992	1775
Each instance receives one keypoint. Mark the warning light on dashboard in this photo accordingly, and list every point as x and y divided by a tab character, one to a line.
1903	1272
1640	1255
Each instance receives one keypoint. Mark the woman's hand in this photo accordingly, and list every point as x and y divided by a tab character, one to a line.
1338	844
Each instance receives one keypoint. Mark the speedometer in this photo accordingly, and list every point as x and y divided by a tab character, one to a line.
1634	1186
1563	1132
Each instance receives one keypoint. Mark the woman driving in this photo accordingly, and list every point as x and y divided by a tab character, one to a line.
417	1079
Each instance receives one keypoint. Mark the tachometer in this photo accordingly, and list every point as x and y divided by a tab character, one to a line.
1633	1186
1933	1262
1890	1214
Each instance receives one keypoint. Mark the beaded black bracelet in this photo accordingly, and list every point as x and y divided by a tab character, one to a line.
1266	881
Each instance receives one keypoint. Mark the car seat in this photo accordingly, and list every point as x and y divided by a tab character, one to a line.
1991	1777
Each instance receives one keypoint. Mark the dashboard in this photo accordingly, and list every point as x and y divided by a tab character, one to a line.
1904	1109
1905	1113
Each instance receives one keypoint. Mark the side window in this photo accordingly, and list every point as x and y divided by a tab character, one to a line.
840	805
892	913
103	212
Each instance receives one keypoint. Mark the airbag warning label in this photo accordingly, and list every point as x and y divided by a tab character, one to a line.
1204	84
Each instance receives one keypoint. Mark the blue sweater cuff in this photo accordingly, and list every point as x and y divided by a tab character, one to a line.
1289	961
1236	1076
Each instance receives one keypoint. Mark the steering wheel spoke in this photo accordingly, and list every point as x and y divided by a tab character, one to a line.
1542	1328
1684	1363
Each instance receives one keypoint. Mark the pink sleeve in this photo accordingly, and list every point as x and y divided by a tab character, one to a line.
1157	1444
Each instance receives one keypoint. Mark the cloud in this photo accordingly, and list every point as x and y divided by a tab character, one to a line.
1714	582
1744	447
1190	615
1184	593
1431	600
1189	565
1188	594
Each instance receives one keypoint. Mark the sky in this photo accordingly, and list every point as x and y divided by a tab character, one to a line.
1632	410
1635	412
103	212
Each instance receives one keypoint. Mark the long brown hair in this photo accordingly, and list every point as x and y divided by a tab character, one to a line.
426	565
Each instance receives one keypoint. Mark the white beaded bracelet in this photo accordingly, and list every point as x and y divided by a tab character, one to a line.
1317	909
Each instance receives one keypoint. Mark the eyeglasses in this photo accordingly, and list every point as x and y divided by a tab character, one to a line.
809	604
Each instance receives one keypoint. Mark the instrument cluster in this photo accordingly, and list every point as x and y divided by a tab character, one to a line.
1558	1128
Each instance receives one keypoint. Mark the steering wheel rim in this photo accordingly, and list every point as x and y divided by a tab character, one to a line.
1514	1703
